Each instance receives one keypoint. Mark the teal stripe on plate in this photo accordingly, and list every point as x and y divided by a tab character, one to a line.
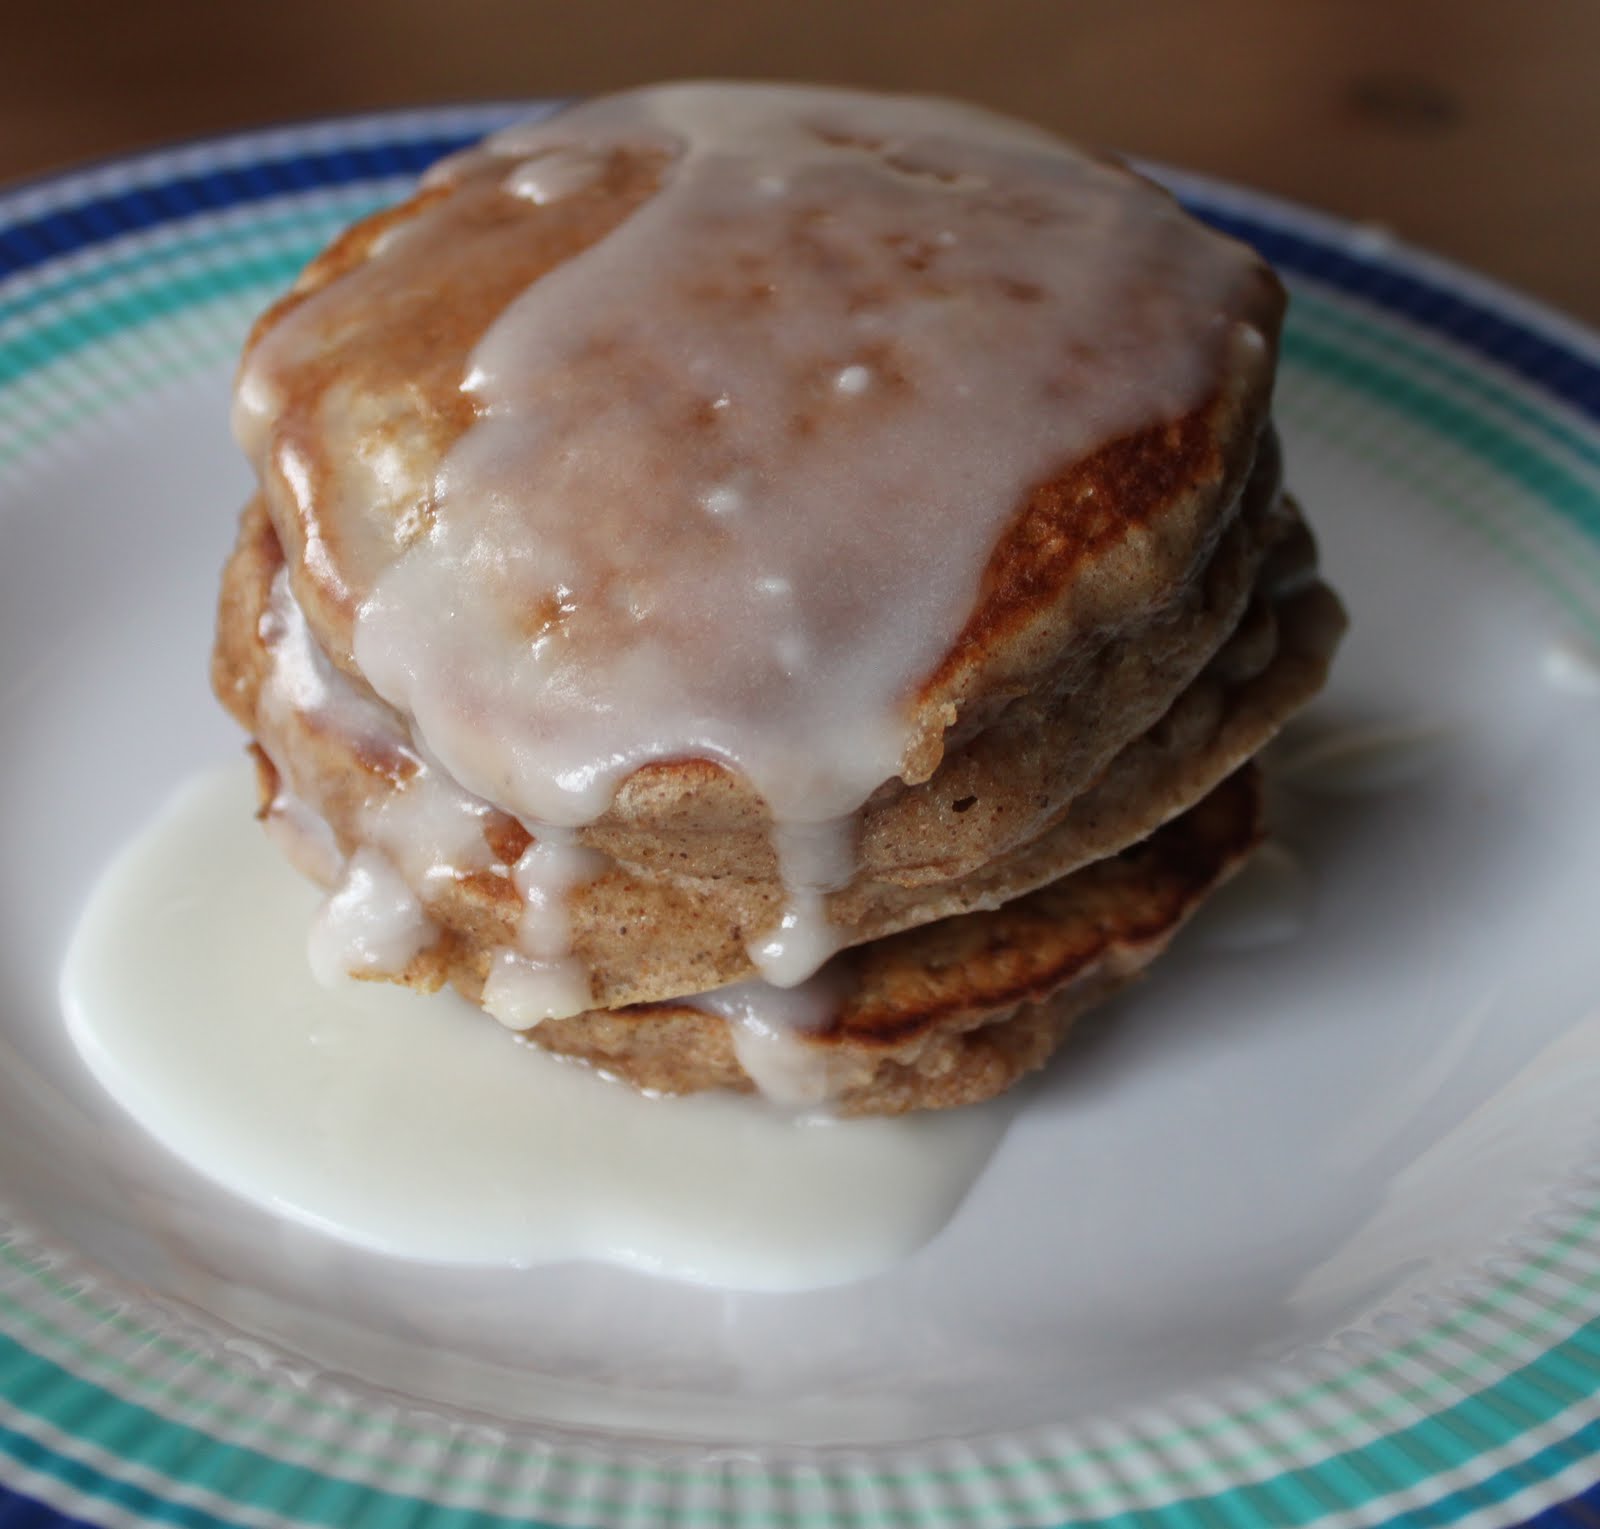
1399	1463
1310	307
50	343
174	244
1515	459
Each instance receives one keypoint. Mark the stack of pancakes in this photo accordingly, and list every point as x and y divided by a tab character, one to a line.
1076	768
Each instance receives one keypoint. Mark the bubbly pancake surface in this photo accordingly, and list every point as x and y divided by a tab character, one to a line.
782	436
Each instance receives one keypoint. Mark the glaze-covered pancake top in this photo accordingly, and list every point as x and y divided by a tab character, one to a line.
685	424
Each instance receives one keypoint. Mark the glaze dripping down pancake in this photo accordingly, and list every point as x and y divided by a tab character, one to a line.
718	526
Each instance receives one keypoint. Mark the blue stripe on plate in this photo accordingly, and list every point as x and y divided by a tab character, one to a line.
20	1512
1581	1512
1531	355
35	241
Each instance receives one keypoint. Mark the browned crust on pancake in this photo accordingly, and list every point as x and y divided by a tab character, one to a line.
1142	512
956	1011
1024	952
1080	516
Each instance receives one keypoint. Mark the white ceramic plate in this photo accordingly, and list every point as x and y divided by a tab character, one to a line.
1303	1234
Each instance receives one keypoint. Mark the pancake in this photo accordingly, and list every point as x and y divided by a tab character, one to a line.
652	929
720	526
952	1012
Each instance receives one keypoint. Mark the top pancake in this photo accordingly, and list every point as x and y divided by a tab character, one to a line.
353	406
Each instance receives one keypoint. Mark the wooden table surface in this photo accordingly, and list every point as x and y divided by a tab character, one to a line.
1471	127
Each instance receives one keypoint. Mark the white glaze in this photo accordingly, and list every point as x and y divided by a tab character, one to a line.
545	873
541	979
784	1070
305	837
302	680
555	175
767	1023
802	939
751	450
523	991
370	925
412	1125
813	859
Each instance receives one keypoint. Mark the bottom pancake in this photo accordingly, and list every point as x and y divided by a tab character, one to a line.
956	1011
